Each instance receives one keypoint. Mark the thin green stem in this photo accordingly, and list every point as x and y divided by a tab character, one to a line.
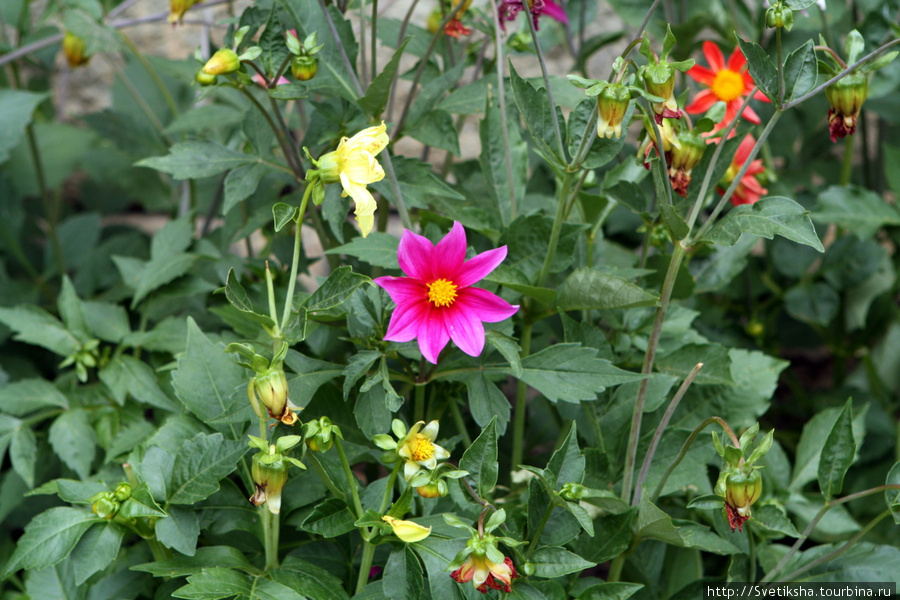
634	435
812	525
518	443
540	530
160	552
558	220
365	565
279	134
588	135
847	164
395	188
270	291
152	72
400	36
293	155
351	478
419	406
684	450
504	129
364	75
374	38
540	55
657	436
461	424
615	568
51	206
780	51
295	258
272	535
389	488
281	69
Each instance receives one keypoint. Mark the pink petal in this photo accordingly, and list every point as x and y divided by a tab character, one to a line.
465	329
555	11
486	305
450	252
479	266
403	290
433	334
414	255
714	56
405	322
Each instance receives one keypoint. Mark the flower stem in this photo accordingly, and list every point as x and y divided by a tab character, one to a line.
780	51
365	566
419	407
295	259
847	164
536	538
684	449
461	425
270	531
518	442
389	488
374	38
557	227
279	134
542	62
351	478
501	101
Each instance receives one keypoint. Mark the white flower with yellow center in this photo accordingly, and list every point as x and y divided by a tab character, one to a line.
418	450
354	165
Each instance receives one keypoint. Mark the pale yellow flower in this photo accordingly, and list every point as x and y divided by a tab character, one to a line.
355	166
407	531
418	449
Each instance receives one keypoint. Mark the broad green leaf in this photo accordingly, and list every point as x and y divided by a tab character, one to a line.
283	213
289	91
201	118
140	504
771	518
311	375
96	549
612	536
377	249
23	453
566	465
78	492
419	184
156	470
715	358
241	183
505	182
28	395
49	538
653	523
107	321
206	377
403	574
815	303
892	496
197	159
125	375
216	582
837	453
376	96
480	459
72	439
226	557
809	448
862	562
308	579
587	289
339	286
856	209
372	413
572	373
554	561
767	218
200	464
611	590
34	325
762	69
179	530
330	518
800	71
237	296
486	401
71	311
538	115
799	4
16	108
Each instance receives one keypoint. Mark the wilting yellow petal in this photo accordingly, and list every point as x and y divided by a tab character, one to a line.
360	166
365	204
371	139
407	531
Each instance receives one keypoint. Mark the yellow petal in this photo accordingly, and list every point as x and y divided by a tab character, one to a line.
365	204
371	139
407	531
361	167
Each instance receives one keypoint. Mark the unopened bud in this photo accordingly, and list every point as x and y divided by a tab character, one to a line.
270	472
272	388
104	505
779	16
304	68
684	158
612	104
123	492
846	97
224	61
177	8
432	490
573	492
205	79
73	48
741	491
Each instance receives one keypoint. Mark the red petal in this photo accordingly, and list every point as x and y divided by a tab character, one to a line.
701	74
714	57
702	102
749	114
737	61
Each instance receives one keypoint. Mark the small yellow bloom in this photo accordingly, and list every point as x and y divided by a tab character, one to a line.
418	449
73	48
355	166
224	61
177	8
407	531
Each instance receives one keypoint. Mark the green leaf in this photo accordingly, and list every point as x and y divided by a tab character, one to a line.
815	303
716	361
127	375
16	108
237	296
892	497
78	492
767	218
862	562
197	159
837	453
206	377
587	289
376	96
809	448
201	118
96	549
566	465
312	374
215	583
330	518
773	519
653	523
107	321
856	209
199	465
480	459
179	530
403	574
554	561
289	91
800	71
241	183
226	557
611	590
72	439
572	373
283	213
49	538
534	106
506	184
371	411
340	285
377	249
140	504
34	325
762	69
28	395
486	401
23	453
309	580
613	535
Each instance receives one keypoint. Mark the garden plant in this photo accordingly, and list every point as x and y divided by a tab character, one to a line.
533	299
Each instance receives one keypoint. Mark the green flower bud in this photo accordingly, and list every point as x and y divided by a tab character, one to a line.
431	490
304	68
224	61
271	387
123	492
684	157
779	16
319	435
104	505
846	97
573	492
742	489
270	472
612	104
528	569
204	78
73	47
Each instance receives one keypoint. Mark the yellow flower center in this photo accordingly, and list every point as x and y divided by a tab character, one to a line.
421	448
442	292
728	85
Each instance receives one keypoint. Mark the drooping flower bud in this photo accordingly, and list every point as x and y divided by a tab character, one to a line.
435	489
271	387
846	97
407	531
177	8
73	47
434	21
224	61
270	472
779	16
304	68
319	435
742	489
684	158
612	104
659	80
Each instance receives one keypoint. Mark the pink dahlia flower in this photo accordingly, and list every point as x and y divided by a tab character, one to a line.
436	302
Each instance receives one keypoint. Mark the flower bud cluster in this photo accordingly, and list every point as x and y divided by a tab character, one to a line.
740	482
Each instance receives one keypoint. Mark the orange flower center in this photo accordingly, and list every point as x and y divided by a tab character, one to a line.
422	449
442	292
728	85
